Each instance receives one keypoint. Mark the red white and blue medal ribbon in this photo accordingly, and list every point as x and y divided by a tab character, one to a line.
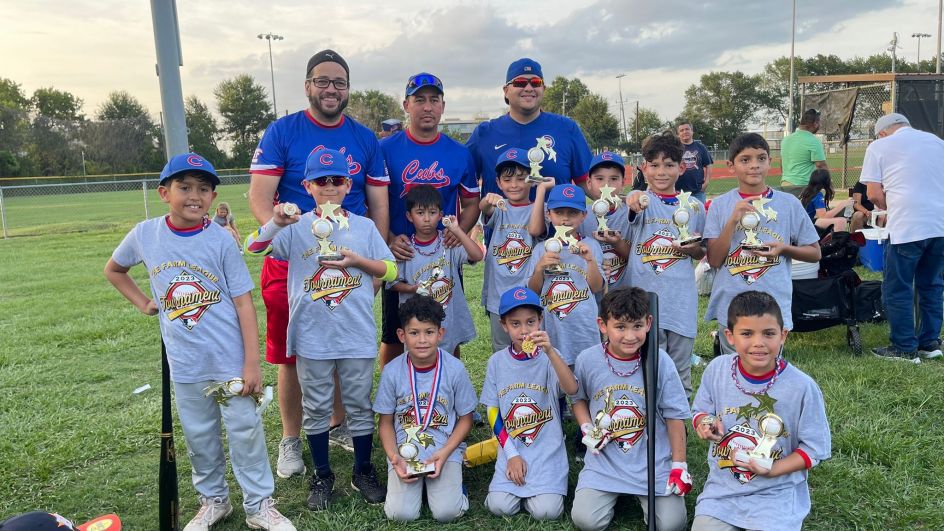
424	420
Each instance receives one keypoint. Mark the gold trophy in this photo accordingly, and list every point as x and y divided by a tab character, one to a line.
410	452
598	436
566	235
322	229
426	287
223	391
749	222
771	428
535	158
289	209
681	218
554	245
600	208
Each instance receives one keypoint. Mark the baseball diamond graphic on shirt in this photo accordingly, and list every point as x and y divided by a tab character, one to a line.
441	291
513	253
613	264
413	175
407	418
186	299
628	423
745	263
562	296
525	420
331	285
657	251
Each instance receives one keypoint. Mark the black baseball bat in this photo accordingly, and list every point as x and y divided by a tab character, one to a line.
168	497
650	378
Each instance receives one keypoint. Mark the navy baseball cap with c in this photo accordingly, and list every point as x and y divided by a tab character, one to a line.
567	196
608	157
516	156
42	521
326	163
517	297
422	80
189	163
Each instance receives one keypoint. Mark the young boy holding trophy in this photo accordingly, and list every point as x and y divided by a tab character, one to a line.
766	421
202	294
666	236
608	219
333	257
425	401
521	389
753	233
610	407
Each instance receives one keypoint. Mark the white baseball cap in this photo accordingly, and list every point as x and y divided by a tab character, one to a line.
889	120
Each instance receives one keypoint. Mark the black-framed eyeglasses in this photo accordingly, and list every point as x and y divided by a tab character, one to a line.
423	80
323	82
522	82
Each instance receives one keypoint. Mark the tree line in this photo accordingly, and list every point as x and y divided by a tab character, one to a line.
48	133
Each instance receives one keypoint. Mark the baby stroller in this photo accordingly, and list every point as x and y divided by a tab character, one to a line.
838	296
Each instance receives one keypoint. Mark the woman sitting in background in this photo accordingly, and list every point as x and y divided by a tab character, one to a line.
816	197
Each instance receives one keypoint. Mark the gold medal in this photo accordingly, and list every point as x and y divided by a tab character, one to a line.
528	347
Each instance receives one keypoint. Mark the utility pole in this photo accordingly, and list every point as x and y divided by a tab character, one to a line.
564	101
789	124
919	36
272	37
893	47
637	124
937	61
622	113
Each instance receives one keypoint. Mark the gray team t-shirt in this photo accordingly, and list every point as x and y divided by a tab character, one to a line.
741	270
734	494
331	310
570	308
193	282
508	254
456	398
617	274
447	291
655	267
621	466
526	394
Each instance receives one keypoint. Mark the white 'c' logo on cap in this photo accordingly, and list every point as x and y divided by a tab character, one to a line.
194	160
520	294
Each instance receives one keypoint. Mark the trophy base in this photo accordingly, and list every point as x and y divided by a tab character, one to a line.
591	441
689	241
607	232
422	470
763	248
553	272
744	457
336	257
536	180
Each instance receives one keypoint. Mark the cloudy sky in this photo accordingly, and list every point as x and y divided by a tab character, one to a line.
93	47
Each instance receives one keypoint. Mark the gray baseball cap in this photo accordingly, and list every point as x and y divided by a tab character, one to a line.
889	120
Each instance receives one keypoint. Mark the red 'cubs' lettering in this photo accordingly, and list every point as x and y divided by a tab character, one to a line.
413	175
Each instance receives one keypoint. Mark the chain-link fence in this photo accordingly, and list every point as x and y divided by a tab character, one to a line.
45	207
871	102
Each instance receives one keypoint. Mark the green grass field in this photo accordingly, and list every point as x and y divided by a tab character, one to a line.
77	441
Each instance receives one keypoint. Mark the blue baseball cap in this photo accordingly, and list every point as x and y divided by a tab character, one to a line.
523	67
513	155
326	163
567	196
517	297
421	80
391	124
608	157
189	163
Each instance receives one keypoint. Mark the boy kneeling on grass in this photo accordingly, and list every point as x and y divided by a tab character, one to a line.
767	424
202	294
425	401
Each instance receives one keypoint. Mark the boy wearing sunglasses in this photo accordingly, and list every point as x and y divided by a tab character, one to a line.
331	326
556	146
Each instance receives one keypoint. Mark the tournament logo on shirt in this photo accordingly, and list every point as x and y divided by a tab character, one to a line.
657	251
186	299
413	175
353	167
743	437
613	264
407	418
748	265
628	423
331	285
513	253
562	296
441	291
525	420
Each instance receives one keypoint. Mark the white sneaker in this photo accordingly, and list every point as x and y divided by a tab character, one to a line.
269	518
290	458
212	510
340	436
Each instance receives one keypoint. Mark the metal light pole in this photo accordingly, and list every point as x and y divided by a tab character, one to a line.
622	114
893	47
272	37
169	61
937	60
919	36
793	29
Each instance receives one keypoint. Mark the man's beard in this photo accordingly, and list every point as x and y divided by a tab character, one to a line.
316	104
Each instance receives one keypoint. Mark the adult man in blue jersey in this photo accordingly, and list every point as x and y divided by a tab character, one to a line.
555	142
277	172
421	155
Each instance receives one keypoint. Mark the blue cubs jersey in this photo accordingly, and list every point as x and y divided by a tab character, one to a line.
288	141
442	163
564	152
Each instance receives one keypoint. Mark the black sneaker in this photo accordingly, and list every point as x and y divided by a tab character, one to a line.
893	353
367	484
931	350
319	491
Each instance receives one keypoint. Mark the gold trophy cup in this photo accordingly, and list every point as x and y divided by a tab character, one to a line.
771	428
681	218
327	251
554	245
749	222
600	208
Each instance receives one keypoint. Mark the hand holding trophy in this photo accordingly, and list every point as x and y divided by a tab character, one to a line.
681	218
597	434
322	228
771	428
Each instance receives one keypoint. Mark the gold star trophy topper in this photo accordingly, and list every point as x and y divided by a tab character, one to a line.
566	235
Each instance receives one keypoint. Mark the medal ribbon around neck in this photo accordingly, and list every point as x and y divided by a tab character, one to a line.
424	420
